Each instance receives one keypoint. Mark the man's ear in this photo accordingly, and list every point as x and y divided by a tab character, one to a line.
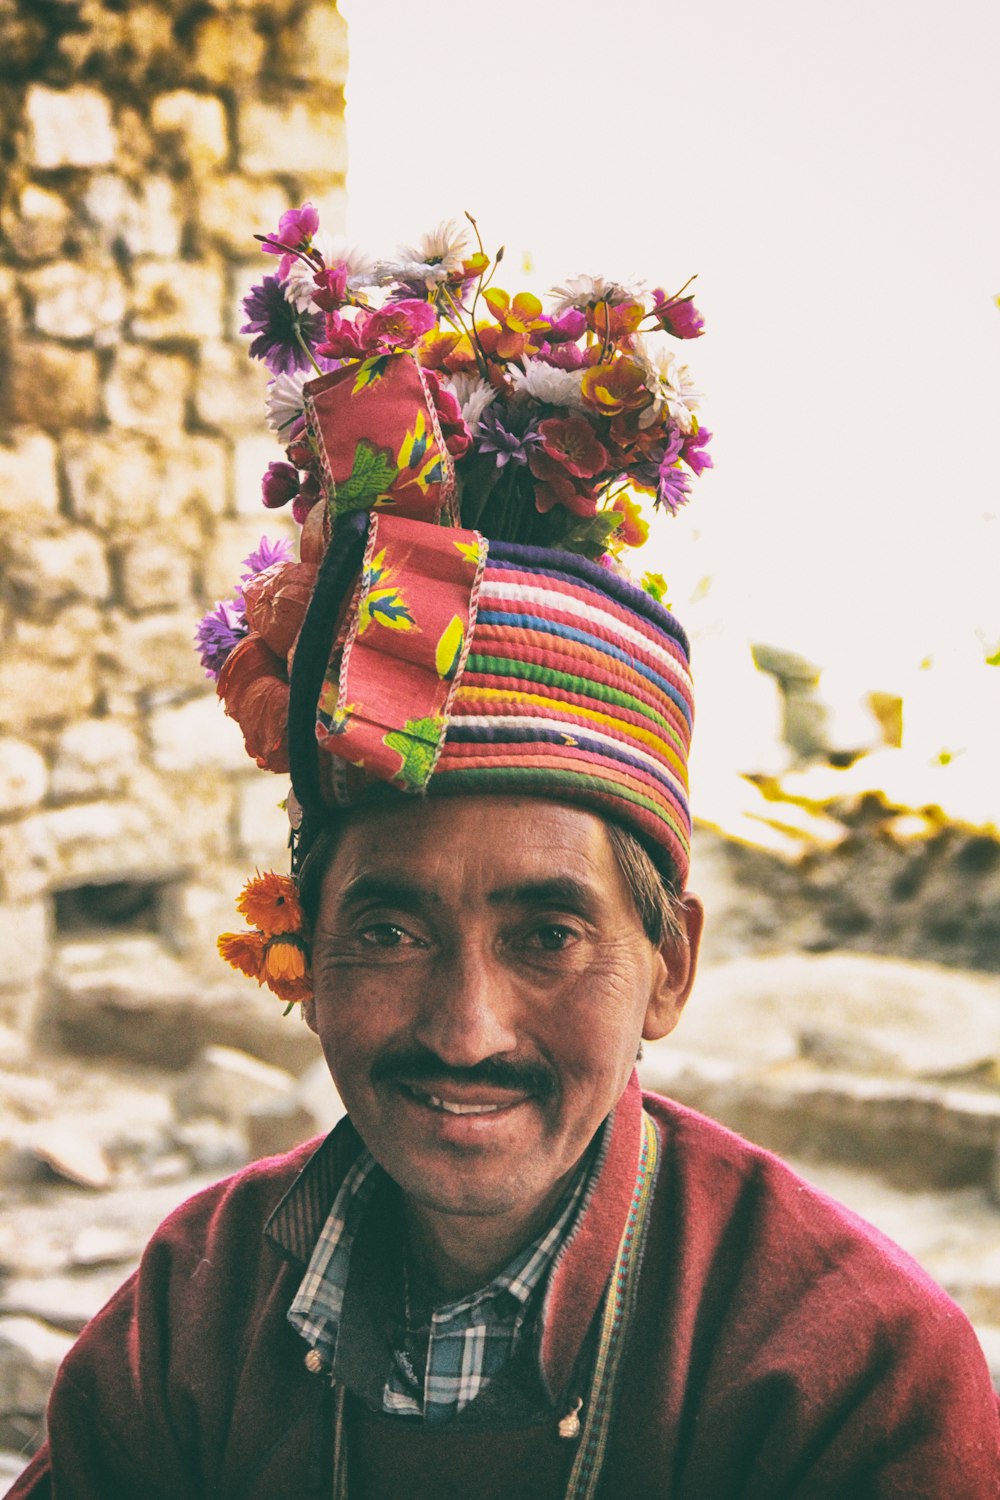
676	964
309	1013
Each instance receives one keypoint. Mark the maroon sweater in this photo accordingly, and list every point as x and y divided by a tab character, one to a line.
781	1350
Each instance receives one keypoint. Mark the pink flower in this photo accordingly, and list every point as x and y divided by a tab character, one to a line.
306	498
279	485
693	452
344	337
678	315
331	287
570	326
457	438
296	228
398	325
563	356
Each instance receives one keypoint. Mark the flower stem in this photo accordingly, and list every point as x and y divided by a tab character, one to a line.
306	349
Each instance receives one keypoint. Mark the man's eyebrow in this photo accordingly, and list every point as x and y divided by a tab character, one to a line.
388	890
557	890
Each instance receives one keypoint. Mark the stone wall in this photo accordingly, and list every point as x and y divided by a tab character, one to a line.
143	146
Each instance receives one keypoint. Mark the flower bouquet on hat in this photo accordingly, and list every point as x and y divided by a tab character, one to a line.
447	442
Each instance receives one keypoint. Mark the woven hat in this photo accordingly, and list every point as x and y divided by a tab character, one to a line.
458	620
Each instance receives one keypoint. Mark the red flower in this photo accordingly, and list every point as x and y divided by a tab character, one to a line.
279	485
572	443
397	325
457	438
253	686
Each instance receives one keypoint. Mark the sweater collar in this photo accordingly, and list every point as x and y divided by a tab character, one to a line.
582	1264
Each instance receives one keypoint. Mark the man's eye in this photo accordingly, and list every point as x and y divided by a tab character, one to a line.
553	937
386	935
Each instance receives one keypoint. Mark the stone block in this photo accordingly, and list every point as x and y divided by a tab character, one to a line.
93	758
52	386
273	137
315	48
228	49
177	300
229	388
197	736
24	776
36	227
226	1084
251	457
28	483
155	574
70	636
126	483
48	570
277	1126
77	302
193	125
233	542
140	219
68	128
261	820
232	209
147	390
36	690
151	655
30	1354
24	942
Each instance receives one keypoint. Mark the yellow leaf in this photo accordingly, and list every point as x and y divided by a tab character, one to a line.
449	647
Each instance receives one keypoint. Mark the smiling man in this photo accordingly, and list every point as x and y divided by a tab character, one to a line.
507	1274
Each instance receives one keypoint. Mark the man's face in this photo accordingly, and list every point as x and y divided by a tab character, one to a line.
482	981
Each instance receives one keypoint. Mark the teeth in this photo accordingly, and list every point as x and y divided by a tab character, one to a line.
462	1109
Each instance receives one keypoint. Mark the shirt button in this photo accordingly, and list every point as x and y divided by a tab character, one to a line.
314	1362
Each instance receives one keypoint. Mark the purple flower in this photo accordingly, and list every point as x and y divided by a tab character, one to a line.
277	322
279	485
563	356
218	634
568	327
648	470
265	556
491	436
672	490
693	452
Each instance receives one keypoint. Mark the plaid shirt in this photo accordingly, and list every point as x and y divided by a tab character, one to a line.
442	1359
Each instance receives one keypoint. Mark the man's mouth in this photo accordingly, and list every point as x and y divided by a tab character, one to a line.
455	1106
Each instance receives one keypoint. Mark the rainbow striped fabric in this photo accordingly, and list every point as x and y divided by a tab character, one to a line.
566	682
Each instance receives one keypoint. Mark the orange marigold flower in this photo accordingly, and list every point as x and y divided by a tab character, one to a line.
244	951
292	991
618	386
285	959
270	902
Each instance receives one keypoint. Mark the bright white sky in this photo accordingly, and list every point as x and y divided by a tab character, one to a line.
830	171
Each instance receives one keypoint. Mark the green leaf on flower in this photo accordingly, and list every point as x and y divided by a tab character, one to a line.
590	537
371	475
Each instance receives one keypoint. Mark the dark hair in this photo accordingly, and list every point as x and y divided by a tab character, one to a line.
654	892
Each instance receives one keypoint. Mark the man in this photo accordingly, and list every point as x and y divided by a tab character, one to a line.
507	1273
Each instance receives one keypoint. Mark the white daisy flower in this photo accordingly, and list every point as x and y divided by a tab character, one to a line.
432	260
285	402
548	384
669	381
585	291
473	395
335	250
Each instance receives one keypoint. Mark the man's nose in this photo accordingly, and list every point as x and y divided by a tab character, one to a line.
468	1011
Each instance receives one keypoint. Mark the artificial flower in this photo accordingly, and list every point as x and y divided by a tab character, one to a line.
265	555
655	586
521	319
669	383
673	488
693	451
454	428
218	634
397	325
279	485
434	259
494	438
275	602
309	492
472	393
253	686
571	442
677	315
633	528
585	291
285	402
270	902
548	384
296	228
615	387
279	327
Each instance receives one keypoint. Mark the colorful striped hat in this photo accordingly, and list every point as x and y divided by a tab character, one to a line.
443	663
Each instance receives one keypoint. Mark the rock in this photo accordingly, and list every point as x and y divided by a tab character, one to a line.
194	125
234	541
152	654
23	776
197	735
177	300
315	49
52	569
30	1355
271	136
138	219
93	758
25	943
225	1084
64	1302
70	1154
102	1245
230	391
36	691
147	391
277	1126
69	128
252	456
153	571
72	301
228	204
262	823
36	229
228	49
28	483
212	1145
83	845
316	1092
53	386
130	483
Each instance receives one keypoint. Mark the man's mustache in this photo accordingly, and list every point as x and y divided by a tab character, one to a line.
420	1065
